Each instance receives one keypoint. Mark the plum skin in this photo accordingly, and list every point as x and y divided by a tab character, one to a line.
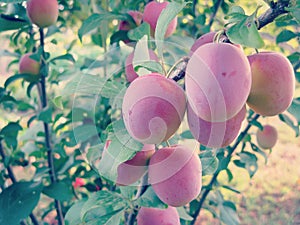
156	216
153	108
133	169
214	74
273	83
175	174
215	134
43	13
151	14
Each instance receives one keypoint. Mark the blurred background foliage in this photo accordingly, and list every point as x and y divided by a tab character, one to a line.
79	118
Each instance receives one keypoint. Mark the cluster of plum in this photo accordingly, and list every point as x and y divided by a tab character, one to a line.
220	80
42	13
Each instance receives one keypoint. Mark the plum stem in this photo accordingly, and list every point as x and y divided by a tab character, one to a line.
209	187
44	103
173	70
14	180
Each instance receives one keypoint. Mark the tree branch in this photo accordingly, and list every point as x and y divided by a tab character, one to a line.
142	189
213	15
14	180
50	158
276	9
215	176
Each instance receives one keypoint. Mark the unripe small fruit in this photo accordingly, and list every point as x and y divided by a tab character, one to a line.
132	170
129	70
153	108
151	14
43	13
156	216
273	83
28	65
175	174
267	137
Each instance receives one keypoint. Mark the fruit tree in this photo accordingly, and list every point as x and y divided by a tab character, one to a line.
139	112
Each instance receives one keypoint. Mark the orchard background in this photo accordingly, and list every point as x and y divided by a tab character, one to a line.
56	124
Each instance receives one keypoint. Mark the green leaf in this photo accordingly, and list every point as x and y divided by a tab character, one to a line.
11	1
187	135
228	215
248	161
95	20
10	133
259	151
183	214
209	162
11	23
120	35
294	109
67	57
128	191
245	32
45	115
141	55
285	35
60	191
83	133
15	77
100	205
121	148
286	119
72	216
139	32
18	201
166	16
94	154
112	89
84	84
295	11
150	199
113	218
151	66
57	101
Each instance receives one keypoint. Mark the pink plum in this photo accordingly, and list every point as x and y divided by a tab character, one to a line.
153	108
273	83
215	134
156	216
175	174
132	170
218	81
202	40
151	14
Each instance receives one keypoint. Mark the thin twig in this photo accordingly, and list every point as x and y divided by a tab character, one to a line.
14	180
50	158
213	15
215	176
142	189
277	9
